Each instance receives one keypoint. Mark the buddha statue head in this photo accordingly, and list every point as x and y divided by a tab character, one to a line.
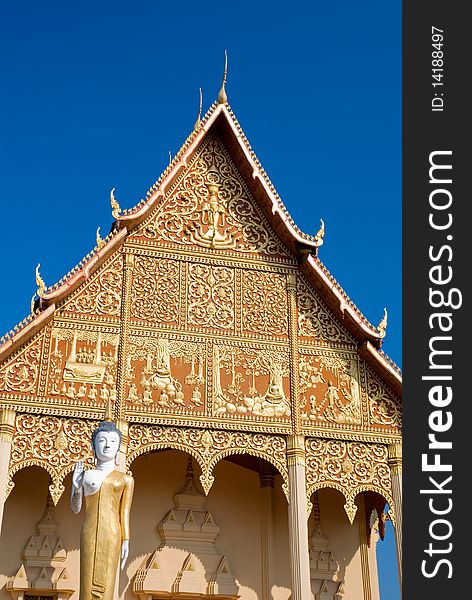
106	441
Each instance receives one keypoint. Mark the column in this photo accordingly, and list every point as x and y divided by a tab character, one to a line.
120	463
298	518
7	427
395	463
266	476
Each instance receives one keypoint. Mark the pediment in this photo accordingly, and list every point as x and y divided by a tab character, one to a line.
210	209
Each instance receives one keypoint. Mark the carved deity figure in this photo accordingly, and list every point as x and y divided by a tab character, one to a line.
105	531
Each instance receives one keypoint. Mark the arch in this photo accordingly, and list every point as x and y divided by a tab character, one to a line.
350	510
165	445
209	446
55	488
281	468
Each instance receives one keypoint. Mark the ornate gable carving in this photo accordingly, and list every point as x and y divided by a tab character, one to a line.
100	296
385	409
210	207
315	321
20	373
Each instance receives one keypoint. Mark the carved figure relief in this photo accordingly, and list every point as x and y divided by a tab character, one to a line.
264	303
210	207
83	365
166	375
384	408
250	381
350	467
211	299
155	290
329	388
315	320
20	373
101	295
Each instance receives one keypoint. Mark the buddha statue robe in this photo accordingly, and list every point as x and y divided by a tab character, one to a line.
105	527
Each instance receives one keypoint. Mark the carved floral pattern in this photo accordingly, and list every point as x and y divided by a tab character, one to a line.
155	290
264	303
314	319
101	295
208	447
211	297
20	374
350	467
51	443
384	408
192	214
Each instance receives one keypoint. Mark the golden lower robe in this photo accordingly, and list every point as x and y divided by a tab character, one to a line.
105	527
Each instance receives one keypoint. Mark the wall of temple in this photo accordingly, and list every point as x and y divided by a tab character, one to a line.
235	504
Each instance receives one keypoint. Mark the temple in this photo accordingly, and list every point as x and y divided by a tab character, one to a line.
261	420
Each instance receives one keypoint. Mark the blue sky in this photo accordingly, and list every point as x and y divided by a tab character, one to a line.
96	94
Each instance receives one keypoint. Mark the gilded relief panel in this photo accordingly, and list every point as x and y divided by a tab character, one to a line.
155	291
315	321
330	388
100	296
264	304
211	298
250	381
211	208
384	408
20	374
83	365
166	374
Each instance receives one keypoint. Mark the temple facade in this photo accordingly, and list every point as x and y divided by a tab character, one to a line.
261	421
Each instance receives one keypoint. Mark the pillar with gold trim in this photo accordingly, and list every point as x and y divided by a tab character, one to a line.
395	463
298	518
7	426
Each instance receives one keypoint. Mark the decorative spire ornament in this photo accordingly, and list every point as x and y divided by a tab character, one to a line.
320	235
40	283
116	210
41	289
198	122
100	241
382	326
222	97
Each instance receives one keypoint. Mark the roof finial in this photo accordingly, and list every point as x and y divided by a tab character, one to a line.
222	97
320	235
40	283
198	122
41	290
382	326
170	156
114	205
100	241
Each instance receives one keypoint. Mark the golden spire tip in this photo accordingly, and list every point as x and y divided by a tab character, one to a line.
198	122
222	97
